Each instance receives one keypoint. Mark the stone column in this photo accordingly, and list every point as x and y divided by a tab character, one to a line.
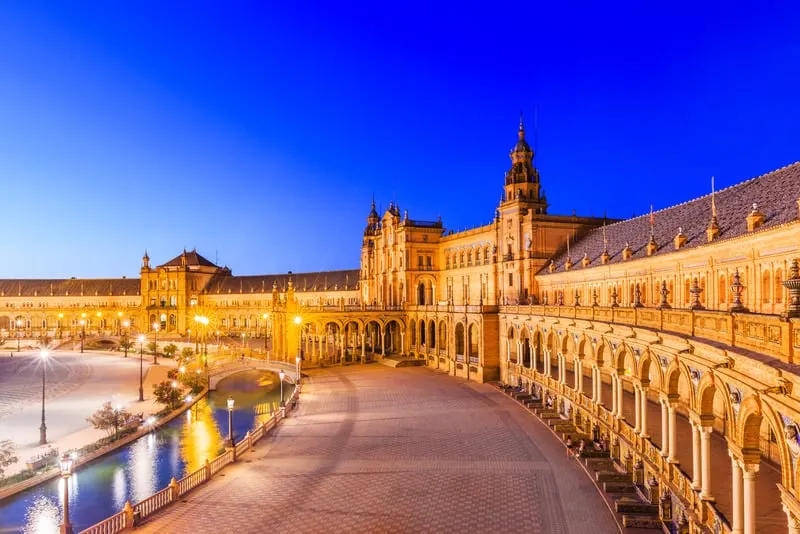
402	343
705	457
578	375
342	344
664	428
562	371
750	471
793	522
614	395
598	385
533	356
508	350
643	413
696	459
637	409
673	433
620	391
737	497
363	347
519	354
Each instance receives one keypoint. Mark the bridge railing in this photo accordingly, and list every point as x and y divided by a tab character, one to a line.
132	515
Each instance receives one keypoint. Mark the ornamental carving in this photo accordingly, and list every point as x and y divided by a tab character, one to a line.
736	398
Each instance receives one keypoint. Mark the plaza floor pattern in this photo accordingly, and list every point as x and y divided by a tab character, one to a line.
374	449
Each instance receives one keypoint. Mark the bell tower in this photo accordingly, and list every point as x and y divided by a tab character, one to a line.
522	179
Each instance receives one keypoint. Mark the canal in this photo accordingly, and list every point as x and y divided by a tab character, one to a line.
146	465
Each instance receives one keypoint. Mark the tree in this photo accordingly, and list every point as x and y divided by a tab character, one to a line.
7	456
187	353
126	344
168	392
194	381
110	419
169	350
151	347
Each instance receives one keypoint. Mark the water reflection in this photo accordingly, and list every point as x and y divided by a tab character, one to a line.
145	466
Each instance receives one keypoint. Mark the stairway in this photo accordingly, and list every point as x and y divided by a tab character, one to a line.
630	502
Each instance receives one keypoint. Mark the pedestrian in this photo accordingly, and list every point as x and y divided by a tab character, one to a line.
568	443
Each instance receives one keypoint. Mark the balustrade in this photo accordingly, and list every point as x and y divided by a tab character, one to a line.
124	519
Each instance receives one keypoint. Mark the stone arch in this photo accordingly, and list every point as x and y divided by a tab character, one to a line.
675	371
460	339
647	363
749	424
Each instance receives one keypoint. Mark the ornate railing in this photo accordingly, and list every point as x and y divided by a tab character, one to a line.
771	335
131	515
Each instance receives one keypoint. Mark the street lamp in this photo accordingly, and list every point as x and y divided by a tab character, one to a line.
141	367
60	318
43	429
297	368
281	374
230	421
266	333
125	325
155	352
66	473
298	321
243	336
119	322
19	324
83	330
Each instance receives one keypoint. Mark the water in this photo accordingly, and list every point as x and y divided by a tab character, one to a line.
143	467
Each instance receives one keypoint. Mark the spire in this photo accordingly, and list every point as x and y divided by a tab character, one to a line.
712	232
521	132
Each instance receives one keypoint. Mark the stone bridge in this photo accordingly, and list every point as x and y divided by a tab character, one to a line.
220	372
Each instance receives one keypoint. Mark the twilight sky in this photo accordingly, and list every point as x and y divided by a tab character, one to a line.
258	132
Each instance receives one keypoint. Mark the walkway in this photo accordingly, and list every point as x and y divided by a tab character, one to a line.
77	385
374	449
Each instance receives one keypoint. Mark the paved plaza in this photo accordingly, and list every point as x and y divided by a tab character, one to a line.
76	386
374	449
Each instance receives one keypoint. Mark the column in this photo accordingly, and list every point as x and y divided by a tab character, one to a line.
383	343
519	354
643	412
596	385
738	498
614	394
673	433
705	458
577	372
620	391
534	350
664	428
637	409
696	459
793	522
750	471
363	347
548	370
402	343
508	351
342	344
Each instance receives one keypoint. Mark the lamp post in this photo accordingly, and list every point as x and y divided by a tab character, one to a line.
19	324
66	473
155	352
281	374
126	324
43	429
119	323
298	321
297	368
230	421
83	330
243	336
266	332
141	367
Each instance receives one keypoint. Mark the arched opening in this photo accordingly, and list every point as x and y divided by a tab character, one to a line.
512	346
432	334
412	328
474	351
442	336
459	341
422	337
526	348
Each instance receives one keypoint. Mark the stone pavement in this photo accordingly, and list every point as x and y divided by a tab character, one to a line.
374	449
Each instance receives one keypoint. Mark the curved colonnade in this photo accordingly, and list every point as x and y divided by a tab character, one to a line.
726	446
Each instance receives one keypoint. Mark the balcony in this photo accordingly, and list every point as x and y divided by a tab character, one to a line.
770	335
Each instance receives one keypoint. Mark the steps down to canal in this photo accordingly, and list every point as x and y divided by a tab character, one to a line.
629	501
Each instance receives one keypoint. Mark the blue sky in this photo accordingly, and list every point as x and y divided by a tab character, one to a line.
258	132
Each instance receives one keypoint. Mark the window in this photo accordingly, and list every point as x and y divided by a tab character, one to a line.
723	289
779	286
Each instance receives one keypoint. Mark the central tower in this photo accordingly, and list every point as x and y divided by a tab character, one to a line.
522	179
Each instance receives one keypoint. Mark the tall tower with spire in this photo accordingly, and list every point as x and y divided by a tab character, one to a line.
522	179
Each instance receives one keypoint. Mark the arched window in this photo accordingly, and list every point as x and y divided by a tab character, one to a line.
723	289
173	300
779	286
473	341
422	336
173	322
432	334
766	287
460	339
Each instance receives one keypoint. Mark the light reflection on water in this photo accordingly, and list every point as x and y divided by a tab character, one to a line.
145	466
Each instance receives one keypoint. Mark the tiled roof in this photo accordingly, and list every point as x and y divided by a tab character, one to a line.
302	282
192	258
70	287
776	194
